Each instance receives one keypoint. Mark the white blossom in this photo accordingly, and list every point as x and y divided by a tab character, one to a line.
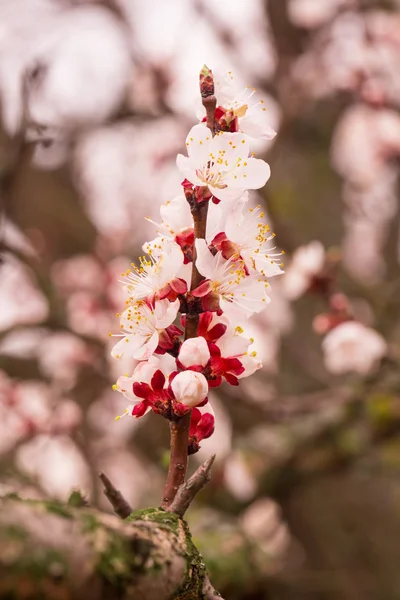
154	273
222	163
245	105
238	293
245	235
352	346
141	326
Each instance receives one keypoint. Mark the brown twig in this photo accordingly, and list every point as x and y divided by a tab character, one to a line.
193	485
180	429
118	502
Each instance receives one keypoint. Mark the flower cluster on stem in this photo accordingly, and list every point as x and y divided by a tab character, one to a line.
210	262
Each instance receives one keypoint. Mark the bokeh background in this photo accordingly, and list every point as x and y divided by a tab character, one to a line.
96	101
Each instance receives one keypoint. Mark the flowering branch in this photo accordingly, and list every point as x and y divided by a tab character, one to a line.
199	210
211	261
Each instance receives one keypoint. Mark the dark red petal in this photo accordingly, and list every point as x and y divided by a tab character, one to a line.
194	419
158	380
215	382
139	409
205	427
216	332
141	390
231	379
204	322
214	350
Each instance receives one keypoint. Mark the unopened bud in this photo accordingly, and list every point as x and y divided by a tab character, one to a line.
206	82
194	352
190	388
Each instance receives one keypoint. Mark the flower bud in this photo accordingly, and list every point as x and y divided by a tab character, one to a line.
190	388
194	352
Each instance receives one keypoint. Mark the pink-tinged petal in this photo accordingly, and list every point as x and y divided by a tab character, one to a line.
158	381
251	174
233	345
230	147
218	239
179	285
164	291
145	351
188	170
205	261
203	289
251	365
165	313
125	386
174	330
198	144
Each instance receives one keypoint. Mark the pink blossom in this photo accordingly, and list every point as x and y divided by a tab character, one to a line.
352	346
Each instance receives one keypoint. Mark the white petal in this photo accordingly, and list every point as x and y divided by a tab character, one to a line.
252	174
198	144
125	386
254	126
165	312
188	169
127	345
147	349
230	147
176	214
205	261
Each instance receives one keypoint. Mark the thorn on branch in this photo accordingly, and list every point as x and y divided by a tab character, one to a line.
189	489
121	507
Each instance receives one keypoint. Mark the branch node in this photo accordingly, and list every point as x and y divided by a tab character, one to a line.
188	490
121	507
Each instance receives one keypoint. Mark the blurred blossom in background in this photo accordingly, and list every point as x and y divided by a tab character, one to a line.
96	99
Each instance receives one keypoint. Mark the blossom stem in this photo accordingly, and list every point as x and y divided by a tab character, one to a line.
180	429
